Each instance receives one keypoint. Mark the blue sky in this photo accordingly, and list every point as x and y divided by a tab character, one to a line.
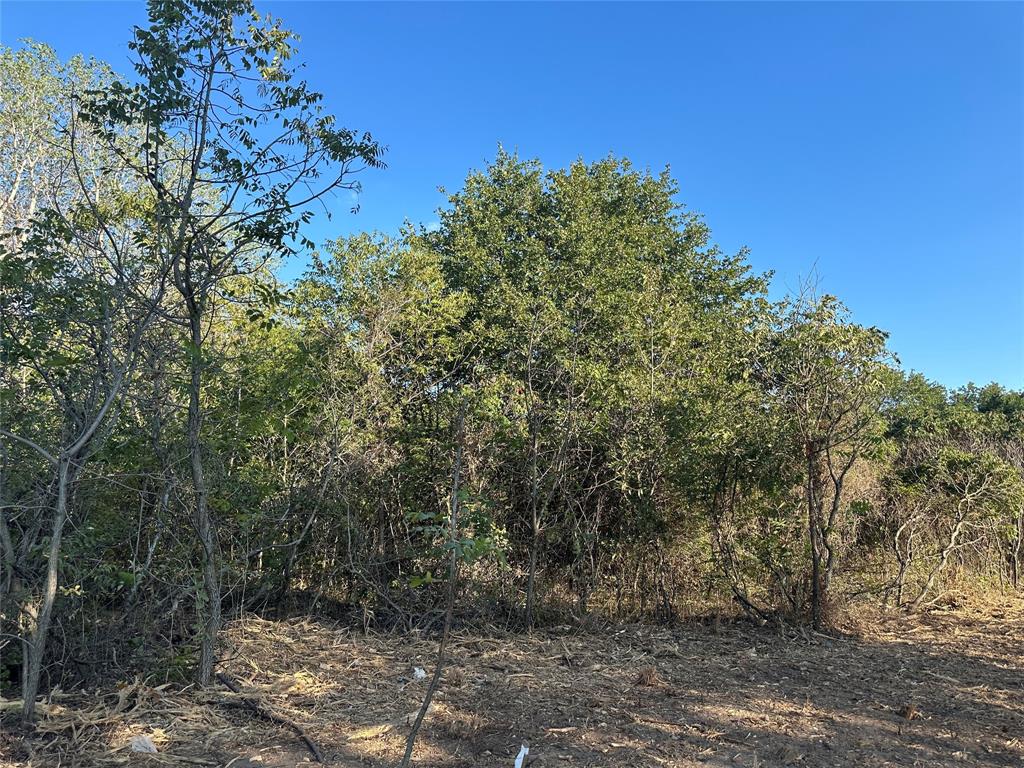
880	145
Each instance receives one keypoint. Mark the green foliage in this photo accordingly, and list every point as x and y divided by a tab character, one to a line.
639	428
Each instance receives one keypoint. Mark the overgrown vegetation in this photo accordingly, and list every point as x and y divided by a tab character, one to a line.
640	431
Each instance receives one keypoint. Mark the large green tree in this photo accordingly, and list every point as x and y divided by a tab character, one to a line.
235	149
599	309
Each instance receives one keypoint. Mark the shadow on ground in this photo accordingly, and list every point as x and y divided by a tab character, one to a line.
941	689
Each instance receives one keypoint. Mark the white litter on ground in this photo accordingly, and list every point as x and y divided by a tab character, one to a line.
142	743
523	752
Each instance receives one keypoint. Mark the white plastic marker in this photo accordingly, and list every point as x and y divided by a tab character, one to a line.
523	752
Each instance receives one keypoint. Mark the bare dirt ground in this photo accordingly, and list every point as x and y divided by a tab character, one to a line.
945	688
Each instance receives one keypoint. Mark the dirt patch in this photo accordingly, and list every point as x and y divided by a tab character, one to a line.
946	688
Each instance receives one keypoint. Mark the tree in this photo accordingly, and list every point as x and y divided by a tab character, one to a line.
79	287
235	150
974	486
601	313
38	96
954	483
829	376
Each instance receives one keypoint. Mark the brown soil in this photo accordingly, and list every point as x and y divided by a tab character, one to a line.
946	688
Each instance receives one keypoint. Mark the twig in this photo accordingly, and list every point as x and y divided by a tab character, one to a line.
269	714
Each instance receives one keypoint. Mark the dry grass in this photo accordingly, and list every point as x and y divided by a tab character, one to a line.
946	688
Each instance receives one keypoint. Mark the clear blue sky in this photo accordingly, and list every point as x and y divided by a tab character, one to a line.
880	144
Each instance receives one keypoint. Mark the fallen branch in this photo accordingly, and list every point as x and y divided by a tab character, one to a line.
274	717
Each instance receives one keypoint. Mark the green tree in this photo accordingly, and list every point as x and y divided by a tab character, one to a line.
79	288
235	150
829	376
601	313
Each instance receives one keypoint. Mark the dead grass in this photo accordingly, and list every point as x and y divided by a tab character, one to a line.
946	688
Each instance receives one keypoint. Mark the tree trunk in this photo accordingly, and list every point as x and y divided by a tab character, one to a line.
827	541
904	556
812	532
35	648
210	605
534	524
453	578
7	550
531	588
1015	550
943	559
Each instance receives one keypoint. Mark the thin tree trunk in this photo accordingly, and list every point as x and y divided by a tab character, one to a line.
453	575
531	580
838	483
812	531
943	559
534	525
1015	551
36	646
6	548
210	605
904	555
